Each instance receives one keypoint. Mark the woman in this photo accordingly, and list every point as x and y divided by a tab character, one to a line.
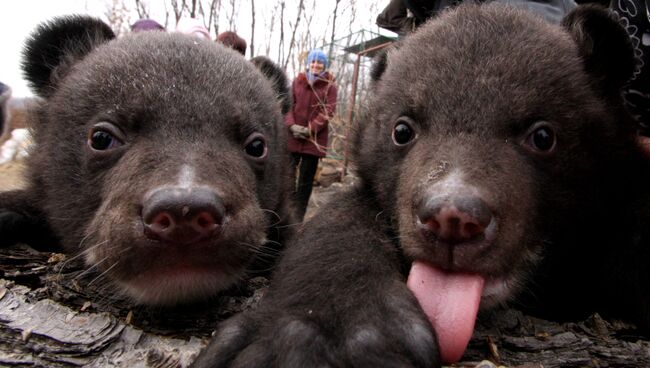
314	104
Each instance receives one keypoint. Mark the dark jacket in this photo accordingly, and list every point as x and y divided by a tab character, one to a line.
313	106
396	18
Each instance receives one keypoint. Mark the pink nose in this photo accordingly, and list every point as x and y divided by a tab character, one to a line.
454	220
182	215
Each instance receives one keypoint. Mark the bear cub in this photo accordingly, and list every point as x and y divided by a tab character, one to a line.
159	158
497	164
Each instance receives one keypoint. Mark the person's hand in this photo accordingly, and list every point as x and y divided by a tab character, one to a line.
299	131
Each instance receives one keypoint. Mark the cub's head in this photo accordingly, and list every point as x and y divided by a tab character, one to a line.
483	128
160	157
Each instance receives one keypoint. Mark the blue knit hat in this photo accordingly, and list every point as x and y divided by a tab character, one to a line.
317	54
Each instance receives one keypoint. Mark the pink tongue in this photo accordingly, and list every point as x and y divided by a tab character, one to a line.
451	301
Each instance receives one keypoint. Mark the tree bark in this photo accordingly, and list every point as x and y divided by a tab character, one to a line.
52	314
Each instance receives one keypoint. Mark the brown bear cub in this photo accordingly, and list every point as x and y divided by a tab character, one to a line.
497	164
159	158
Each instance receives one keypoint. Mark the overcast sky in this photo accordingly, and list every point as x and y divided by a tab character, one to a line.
19	18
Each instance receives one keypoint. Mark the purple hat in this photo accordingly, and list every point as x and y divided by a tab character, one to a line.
146	25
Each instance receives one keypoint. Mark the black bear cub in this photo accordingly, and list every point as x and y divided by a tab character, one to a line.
159	158
497	164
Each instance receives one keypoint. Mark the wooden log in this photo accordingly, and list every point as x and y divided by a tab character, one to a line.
55	313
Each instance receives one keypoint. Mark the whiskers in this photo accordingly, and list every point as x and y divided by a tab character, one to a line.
101	275
263	250
80	272
71	261
275	214
278	224
90	268
84	252
106	288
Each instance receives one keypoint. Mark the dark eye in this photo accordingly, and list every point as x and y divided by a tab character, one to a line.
403	132
105	136
102	140
256	146
542	139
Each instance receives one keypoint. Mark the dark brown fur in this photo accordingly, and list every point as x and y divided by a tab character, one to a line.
474	106
184	109
473	84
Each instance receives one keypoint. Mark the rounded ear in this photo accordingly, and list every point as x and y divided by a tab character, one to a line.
55	46
278	80
379	63
381	59
603	44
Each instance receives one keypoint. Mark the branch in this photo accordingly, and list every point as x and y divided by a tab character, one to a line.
252	47
281	44
193	9
329	52
142	10
301	6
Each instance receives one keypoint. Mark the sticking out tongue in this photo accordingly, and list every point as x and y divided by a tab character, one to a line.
451	301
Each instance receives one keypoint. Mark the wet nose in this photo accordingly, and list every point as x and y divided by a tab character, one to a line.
182	215
454	220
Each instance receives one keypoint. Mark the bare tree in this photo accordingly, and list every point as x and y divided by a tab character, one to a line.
252	41
231	16
215	7
142	9
271	26
214	13
306	40
307	37
166	14
178	8
193	9
206	11
353	16
281	45
200	14
118	17
301	6
336	8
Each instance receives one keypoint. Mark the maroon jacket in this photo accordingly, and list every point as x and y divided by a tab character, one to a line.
313	106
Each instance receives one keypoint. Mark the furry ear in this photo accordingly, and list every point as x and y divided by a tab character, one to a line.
56	45
380	60
278	80
379	63
603	44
